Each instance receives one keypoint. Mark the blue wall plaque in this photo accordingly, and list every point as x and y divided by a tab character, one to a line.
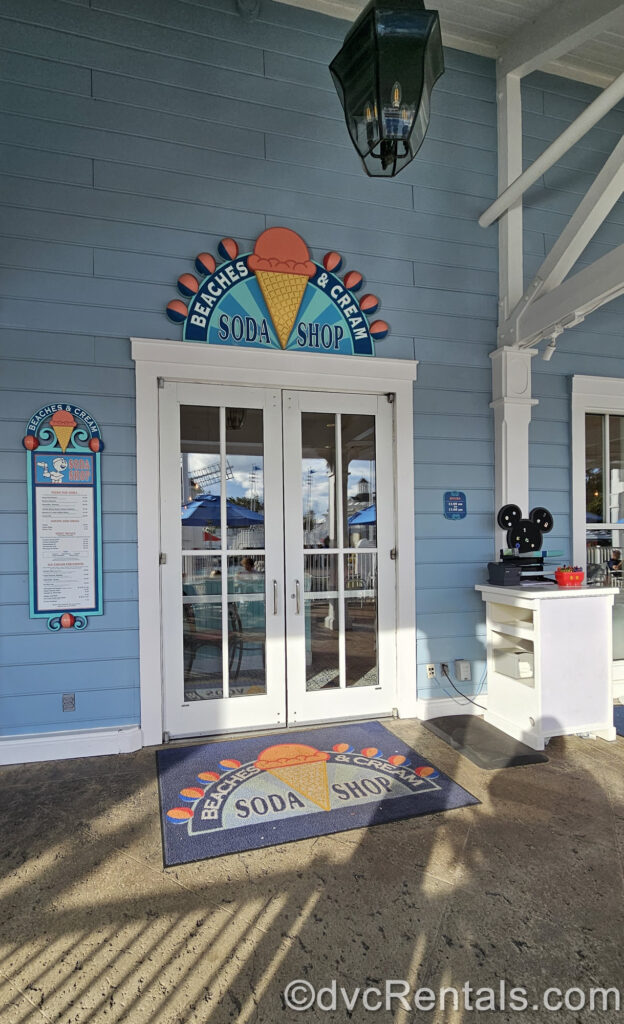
454	505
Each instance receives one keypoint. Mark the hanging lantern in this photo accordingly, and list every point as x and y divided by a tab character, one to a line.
235	418
389	62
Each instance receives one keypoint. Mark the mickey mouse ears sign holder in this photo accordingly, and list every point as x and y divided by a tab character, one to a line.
63	449
524	535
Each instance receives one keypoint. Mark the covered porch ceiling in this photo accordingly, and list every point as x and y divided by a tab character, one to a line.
494	28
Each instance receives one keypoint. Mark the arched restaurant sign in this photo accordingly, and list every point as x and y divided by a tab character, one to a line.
276	297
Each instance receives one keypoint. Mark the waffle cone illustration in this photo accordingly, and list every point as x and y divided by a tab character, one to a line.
302	768
283	294
282	265
63	424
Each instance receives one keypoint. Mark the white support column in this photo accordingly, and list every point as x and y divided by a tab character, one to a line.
510	270
512	402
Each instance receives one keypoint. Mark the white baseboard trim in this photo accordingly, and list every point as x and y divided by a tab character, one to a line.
57	746
439	707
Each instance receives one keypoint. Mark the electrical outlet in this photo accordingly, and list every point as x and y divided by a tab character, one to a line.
69	701
444	667
430	671
462	671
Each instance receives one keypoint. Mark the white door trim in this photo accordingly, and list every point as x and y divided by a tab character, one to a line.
189	361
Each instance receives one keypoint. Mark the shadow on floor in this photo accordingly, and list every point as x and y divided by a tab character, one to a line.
525	888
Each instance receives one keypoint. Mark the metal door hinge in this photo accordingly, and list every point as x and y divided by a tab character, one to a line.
161	382
393	554
390	397
162	558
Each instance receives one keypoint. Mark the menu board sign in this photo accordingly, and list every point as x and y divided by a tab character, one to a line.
64	446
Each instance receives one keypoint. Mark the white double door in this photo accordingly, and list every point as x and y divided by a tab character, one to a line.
277	533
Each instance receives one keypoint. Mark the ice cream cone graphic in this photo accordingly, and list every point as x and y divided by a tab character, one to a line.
302	768
63	424
282	265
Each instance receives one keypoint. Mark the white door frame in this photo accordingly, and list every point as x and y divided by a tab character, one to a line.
183	717
214	364
342	702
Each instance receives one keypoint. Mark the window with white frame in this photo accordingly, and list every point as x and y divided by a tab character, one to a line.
598	490
604	492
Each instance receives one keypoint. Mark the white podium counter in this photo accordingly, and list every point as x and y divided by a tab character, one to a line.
549	657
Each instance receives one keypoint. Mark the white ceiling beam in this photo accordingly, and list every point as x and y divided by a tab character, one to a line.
594	207
557	31
586	120
572	301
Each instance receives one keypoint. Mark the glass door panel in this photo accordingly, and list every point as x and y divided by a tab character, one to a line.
202	623
337	639
361	627
321	611
246	638
229	509
277	525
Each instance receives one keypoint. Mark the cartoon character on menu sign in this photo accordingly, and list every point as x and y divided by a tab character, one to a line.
58	472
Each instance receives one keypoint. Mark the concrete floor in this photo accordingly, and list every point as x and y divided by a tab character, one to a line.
526	887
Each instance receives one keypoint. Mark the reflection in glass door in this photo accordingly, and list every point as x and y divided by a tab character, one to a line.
277	524
604	515
339	571
225	668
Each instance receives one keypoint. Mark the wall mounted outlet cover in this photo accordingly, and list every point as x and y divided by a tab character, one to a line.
430	671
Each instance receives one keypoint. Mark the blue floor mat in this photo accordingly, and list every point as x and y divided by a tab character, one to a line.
244	794
618	719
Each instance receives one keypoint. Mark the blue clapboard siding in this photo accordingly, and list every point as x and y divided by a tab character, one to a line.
136	133
595	346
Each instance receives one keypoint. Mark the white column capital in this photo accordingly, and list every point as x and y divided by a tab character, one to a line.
511	374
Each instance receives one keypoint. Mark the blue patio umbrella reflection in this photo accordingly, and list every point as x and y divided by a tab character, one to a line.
365	517
205	510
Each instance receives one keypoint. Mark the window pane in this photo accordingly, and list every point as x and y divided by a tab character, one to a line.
321	622
318	479
200	466
616	469
246	626
358	455
361	619
594	462
202	627
244	472
604	566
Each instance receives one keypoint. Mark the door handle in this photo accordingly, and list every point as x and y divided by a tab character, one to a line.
275	597
298	596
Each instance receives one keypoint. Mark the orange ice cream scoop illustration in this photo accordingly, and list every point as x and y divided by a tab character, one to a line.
281	262
302	768
63	423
